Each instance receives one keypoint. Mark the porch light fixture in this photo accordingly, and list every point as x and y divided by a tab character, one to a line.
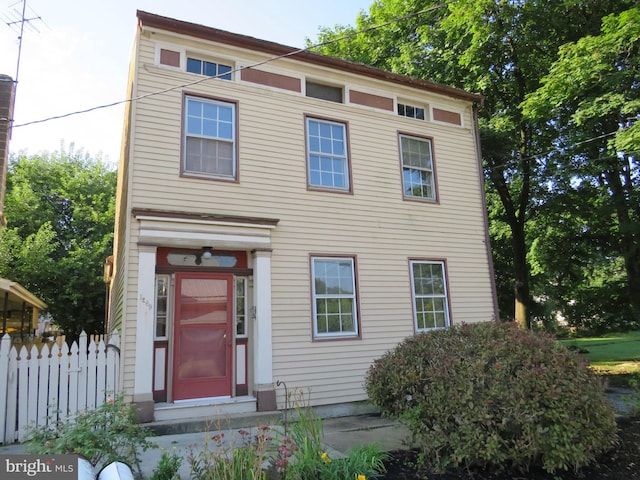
206	254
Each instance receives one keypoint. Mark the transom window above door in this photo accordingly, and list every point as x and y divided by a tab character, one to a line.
209	138
327	156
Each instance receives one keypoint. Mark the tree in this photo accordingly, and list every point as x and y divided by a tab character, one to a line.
60	216
590	99
500	49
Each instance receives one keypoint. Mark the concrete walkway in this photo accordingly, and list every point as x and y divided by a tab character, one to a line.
340	434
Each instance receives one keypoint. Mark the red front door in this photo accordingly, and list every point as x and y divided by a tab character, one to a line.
202	336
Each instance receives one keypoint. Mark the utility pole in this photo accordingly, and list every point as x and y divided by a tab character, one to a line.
16	20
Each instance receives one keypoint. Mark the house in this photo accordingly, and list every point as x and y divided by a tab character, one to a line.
283	219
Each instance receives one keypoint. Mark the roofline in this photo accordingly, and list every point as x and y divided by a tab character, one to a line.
152	20
22	293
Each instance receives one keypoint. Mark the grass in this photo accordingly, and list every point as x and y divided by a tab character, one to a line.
616	355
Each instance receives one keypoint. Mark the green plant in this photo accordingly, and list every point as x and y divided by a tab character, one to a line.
103	435
221	459
302	456
492	395
167	468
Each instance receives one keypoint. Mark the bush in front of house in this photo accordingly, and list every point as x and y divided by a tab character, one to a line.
492	395
109	433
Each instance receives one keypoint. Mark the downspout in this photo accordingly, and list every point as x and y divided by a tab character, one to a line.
487	241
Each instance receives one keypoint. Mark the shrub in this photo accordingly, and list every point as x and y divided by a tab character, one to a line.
109	433
492	395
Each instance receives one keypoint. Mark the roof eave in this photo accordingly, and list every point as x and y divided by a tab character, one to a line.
151	20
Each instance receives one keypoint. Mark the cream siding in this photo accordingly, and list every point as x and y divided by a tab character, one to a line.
373	223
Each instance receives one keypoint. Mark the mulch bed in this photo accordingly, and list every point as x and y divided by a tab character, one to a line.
622	463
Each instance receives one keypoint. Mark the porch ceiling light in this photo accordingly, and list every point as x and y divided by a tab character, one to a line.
206	253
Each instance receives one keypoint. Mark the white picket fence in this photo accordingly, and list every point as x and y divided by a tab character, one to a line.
39	388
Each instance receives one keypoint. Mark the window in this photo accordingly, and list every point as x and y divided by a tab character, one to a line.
324	92
410	111
241	307
328	162
162	306
418	177
210	69
334	297
210	138
429	288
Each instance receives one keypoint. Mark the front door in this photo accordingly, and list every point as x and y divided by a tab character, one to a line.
202	335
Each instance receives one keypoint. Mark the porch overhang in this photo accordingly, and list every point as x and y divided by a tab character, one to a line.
188	230
14	298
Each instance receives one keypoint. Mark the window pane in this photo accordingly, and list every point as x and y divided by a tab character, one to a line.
209	128
161	306
194	66
225	131
210	69
224	72
194	125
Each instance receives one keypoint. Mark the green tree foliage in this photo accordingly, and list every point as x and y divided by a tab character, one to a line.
590	100
60	212
500	49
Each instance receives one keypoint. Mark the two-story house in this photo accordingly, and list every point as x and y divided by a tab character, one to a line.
284	216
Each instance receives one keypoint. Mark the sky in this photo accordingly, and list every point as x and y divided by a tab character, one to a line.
75	56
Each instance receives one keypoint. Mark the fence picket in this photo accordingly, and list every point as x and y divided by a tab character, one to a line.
44	377
82	372
5	348
101	363
64	386
12	398
54	382
91	375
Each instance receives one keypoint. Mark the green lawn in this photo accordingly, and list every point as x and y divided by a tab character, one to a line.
611	354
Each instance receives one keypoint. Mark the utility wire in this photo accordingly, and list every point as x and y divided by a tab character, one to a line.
557	149
269	60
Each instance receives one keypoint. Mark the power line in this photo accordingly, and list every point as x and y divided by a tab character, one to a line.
269	60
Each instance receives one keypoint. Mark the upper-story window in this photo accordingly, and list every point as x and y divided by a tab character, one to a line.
410	111
418	177
327	158
324	92
209	138
210	69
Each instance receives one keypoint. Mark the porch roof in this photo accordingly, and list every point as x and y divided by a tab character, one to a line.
17	296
